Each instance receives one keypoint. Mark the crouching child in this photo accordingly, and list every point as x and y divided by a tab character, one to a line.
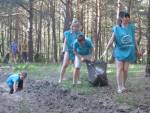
15	81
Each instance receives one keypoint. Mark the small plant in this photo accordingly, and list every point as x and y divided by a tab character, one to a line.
120	99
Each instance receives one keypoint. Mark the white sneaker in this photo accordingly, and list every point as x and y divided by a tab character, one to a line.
119	91
74	82
124	89
78	82
59	81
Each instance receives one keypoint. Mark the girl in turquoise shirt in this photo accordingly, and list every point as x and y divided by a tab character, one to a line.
15	81
125	48
69	37
84	50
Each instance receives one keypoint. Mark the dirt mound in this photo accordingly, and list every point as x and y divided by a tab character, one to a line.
41	96
46	97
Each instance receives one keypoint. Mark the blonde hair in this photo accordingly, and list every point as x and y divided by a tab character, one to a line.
74	21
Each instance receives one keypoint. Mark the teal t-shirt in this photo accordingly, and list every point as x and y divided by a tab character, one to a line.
12	79
125	49
70	38
83	49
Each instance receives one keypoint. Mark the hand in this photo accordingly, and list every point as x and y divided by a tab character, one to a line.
139	53
82	59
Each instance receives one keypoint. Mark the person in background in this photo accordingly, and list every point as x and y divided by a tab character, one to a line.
15	81
14	50
69	38
125	48
24	50
84	51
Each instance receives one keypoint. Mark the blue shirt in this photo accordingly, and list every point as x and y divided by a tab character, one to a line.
13	47
70	38
12	79
84	48
125	49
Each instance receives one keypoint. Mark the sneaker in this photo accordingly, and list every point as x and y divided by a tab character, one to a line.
119	91
59	81
124	89
78	82
73	82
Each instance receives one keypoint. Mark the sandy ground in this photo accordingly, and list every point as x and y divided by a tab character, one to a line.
47	96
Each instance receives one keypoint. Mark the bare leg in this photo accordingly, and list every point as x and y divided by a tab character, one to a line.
15	58
76	75
119	66
125	73
64	66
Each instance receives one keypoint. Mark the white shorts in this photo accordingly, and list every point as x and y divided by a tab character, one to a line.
77	61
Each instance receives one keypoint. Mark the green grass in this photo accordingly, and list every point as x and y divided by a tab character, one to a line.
120	99
44	71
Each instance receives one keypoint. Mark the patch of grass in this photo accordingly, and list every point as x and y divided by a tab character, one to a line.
37	70
83	88
120	99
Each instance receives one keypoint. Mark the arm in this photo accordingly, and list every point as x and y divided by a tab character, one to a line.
136	45
76	53
110	42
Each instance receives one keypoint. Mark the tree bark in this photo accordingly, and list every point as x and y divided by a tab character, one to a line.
68	16
54	32
148	45
39	31
96	38
30	42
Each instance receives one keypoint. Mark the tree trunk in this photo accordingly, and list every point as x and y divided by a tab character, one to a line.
30	42
140	30
39	31
80	13
148	45
69	15
2	44
54	32
17	28
99	31
118	10
96	38
48	32
129	6
10	29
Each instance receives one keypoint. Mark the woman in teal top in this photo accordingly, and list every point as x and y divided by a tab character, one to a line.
84	50
125	43
125	48
69	38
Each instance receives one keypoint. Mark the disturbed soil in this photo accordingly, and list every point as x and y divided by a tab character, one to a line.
47	96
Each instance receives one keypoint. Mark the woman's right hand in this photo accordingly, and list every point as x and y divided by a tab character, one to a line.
82	59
